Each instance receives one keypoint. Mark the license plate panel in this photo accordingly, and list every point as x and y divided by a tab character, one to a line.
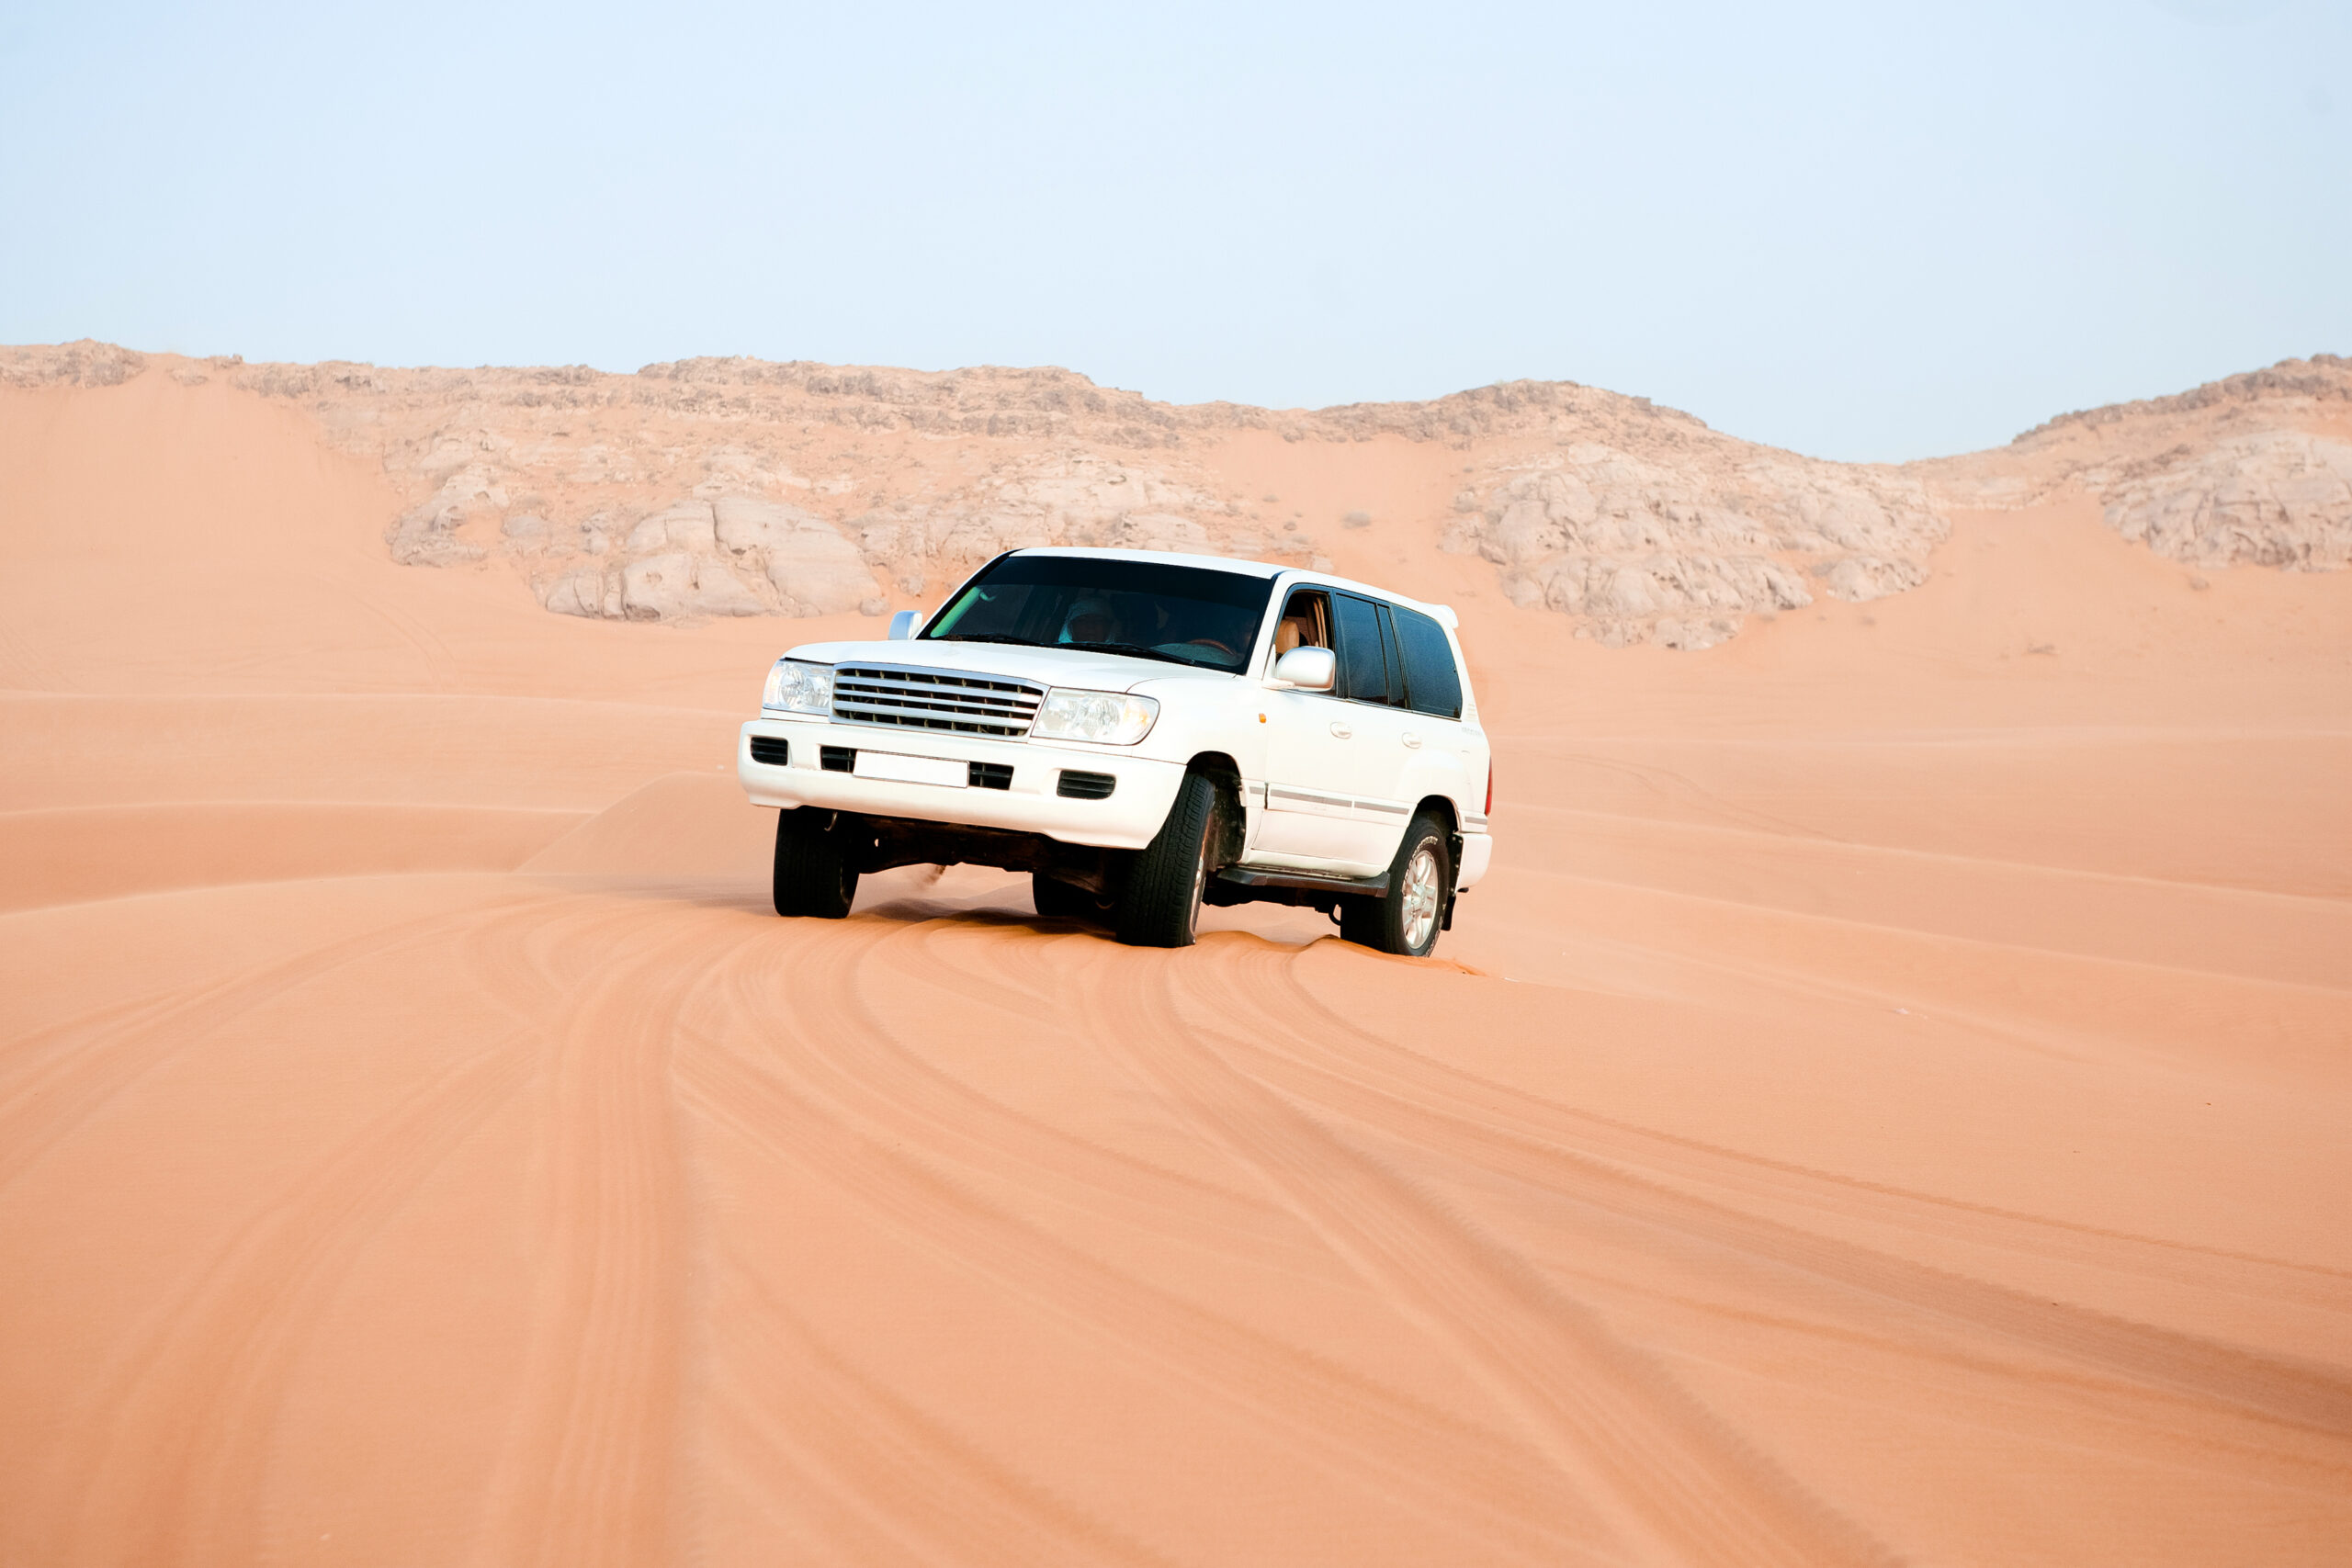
945	772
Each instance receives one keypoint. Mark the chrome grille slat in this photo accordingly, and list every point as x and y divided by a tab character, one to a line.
963	700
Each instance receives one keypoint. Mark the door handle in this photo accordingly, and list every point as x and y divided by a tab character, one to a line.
1411	740
1339	728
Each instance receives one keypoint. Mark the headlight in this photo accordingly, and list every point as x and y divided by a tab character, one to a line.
1110	716
796	687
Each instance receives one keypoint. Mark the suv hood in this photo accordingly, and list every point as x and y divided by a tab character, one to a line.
1046	666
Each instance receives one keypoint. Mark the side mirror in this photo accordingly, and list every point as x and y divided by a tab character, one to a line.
904	623
1308	669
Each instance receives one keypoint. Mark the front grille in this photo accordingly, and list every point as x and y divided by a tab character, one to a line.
1080	786
991	775
956	700
767	749
837	759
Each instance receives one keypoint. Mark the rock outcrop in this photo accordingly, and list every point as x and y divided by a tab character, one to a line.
2251	470
732	487
735	487
84	363
1680	552
2276	498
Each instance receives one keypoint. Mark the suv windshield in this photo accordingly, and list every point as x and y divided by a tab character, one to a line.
1186	615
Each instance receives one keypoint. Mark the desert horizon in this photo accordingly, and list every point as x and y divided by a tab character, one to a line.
1886	1103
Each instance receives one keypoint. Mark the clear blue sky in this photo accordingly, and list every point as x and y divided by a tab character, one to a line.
1865	231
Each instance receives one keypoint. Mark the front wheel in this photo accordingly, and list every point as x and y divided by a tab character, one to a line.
1406	922
1160	905
813	875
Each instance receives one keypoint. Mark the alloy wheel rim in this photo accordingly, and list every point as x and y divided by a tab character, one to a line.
1421	897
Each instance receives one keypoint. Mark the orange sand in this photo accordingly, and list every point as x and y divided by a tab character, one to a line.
1889	1101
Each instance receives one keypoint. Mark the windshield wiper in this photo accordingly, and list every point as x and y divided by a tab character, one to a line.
1134	650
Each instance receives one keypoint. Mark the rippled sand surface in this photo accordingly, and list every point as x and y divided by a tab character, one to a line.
1888	1104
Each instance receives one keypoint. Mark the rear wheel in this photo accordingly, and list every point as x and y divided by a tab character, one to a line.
1160	905
813	875
1406	922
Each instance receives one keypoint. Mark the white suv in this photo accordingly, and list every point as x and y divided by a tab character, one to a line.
1143	733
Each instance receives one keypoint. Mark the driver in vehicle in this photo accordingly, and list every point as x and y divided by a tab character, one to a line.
1297	628
1090	620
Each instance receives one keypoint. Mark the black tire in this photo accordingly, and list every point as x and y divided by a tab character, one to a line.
1160	905
1060	900
1408	921
813	876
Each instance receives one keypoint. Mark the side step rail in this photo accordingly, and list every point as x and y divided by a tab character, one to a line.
1308	881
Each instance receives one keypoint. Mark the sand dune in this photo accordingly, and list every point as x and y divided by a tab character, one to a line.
1887	1104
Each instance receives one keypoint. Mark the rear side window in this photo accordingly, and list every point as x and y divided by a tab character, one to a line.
1433	683
1395	659
1363	659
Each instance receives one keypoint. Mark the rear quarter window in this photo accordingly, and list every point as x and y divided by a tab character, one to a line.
1432	685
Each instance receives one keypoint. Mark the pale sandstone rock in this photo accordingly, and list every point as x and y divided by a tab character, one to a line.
426	533
1860	578
1692	635
1587	504
687	526
579	592
2250	470
681	586
1629	544
813	568
822	575
2276	498
86	363
1155	531
744	524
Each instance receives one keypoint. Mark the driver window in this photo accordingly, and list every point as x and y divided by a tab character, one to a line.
1305	623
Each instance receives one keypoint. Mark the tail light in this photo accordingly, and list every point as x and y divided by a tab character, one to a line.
1490	786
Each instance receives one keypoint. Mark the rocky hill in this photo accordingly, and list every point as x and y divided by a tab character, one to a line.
736	487
2252	471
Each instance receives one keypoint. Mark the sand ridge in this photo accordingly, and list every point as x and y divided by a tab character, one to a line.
1886	1104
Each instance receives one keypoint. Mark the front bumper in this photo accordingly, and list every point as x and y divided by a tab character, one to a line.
1126	819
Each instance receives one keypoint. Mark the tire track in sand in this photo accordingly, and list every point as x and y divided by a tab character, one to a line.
76	1065
1674	1481
163	1459
878	1475
585	1475
777	1093
1430	1105
1421	1079
899	1091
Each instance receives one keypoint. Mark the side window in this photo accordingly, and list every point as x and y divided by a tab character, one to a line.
1305	623
1431	679
1364	656
1395	659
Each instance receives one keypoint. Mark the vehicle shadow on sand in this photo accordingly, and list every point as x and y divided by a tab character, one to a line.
975	896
